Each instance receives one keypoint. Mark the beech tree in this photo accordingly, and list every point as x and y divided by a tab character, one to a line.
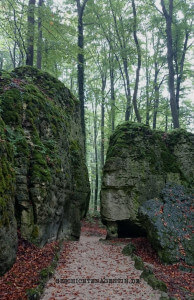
124	60
40	41
30	33
175	53
80	59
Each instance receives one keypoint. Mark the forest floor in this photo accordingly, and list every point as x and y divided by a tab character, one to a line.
89	259
92	263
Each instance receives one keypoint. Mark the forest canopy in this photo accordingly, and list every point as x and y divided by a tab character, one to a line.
124	60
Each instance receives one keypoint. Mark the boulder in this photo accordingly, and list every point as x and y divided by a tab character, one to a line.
168	221
139	162
42	125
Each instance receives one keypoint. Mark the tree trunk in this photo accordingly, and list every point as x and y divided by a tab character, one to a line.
80	66
122	43
96	159
39	45
180	75
156	95
30	34
173	105
102	120
1	63
147	97
128	91
112	87
138	63
147	85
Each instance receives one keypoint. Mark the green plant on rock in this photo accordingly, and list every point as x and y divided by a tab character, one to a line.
129	249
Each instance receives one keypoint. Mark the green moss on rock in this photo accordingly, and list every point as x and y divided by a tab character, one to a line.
168	222
139	163
129	249
43	152
8	228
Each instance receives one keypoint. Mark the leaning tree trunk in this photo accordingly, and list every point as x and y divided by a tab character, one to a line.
173	105
128	91
30	34
138	63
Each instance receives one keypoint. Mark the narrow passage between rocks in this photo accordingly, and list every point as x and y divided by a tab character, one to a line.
95	266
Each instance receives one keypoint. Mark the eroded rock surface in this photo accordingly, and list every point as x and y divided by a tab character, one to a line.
168	221
41	124
139	163
8	226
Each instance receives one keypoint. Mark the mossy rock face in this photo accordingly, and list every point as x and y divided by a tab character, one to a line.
139	163
42	127
8	226
168	222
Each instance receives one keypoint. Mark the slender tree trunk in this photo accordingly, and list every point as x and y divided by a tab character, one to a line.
14	55
102	120
39	45
128	90
71	83
166	118
112	87
122	43
168	18
156	95
138	63
180	75
166	123
30	33
147	85
147	97
96	159
80	67
46	52
1	63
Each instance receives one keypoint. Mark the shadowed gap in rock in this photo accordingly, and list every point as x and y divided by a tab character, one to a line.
127	229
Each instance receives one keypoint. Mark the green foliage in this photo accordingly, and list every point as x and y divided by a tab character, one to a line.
108	45
129	249
150	278
139	265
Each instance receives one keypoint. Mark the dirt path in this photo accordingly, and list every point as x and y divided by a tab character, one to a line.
91	259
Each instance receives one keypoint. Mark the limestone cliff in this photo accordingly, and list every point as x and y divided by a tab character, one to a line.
139	163
8	226
46	188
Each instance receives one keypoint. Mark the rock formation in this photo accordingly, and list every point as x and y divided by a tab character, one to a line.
139	163
44	187
168	221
